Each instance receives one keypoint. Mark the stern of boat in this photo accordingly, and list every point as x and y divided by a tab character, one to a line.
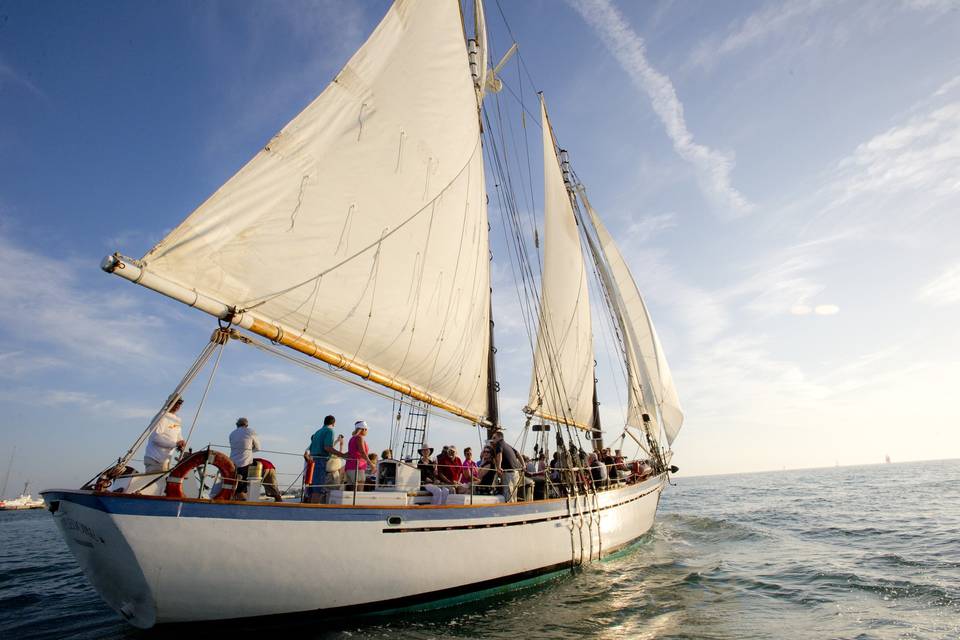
103	553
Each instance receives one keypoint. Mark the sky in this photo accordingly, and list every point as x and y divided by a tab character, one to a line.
783	178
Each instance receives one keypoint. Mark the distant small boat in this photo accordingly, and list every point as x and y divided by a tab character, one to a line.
887	460
25	501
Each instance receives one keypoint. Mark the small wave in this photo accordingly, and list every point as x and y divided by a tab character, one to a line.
716	529
887	589
896	560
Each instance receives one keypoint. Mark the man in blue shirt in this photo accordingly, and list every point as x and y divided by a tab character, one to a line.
320	451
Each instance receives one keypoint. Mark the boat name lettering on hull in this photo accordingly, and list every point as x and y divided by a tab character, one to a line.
78	527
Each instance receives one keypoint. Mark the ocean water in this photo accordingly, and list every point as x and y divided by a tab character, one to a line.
867	552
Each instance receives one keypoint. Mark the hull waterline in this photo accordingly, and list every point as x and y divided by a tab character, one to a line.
157	560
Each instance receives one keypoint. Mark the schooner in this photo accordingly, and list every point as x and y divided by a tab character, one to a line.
358	237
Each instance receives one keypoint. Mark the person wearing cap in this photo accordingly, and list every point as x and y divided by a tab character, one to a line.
243	442
357	456
428	476
164	438
321	451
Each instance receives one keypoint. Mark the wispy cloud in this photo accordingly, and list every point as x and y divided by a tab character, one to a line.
648	226
713	168
802	24
754	29
42	302
87	402
267	376
9	76
944	289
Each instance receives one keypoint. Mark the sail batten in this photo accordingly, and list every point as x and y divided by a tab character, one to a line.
361	228
562	386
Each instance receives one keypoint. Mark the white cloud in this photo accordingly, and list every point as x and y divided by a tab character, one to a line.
267	376
712	167
801	309
942	290
649	226
922	154
826	309
43	302
84	401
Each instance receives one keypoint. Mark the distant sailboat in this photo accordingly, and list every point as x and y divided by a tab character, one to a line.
358	236
887	459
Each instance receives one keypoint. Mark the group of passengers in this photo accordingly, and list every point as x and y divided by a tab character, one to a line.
500	468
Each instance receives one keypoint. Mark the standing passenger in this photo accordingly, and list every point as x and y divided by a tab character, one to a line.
321	451
243	442
164	438
508	465
357	456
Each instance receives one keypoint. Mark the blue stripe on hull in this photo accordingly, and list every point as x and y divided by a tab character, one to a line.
157	506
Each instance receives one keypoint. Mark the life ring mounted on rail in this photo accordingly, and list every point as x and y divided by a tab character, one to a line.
228	474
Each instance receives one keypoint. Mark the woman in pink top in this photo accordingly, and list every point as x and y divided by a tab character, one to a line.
357	454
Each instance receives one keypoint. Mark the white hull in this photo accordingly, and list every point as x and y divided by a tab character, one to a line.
158	560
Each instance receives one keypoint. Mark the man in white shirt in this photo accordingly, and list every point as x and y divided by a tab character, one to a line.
164	438
243	442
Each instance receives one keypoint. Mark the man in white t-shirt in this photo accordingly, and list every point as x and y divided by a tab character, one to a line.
243	442
164	439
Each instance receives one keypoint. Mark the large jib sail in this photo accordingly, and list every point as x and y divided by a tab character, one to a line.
649	381
360	230
562	386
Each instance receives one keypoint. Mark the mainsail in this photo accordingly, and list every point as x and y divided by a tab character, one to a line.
562	386
648	374
361	228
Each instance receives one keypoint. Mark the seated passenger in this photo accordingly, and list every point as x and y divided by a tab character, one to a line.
371	480
450	470
469	467
598	470
607	458
268	475
428	476
486	472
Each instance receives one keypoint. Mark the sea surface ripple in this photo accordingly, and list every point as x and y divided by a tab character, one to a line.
862	553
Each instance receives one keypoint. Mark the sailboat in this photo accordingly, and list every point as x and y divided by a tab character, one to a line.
356	242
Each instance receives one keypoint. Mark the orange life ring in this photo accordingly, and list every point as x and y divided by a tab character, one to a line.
228	474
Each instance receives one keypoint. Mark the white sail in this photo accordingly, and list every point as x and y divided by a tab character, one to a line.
362	225
648	374
562	386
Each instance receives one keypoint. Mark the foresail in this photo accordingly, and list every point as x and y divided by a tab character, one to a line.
562	386
648	374
362	227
